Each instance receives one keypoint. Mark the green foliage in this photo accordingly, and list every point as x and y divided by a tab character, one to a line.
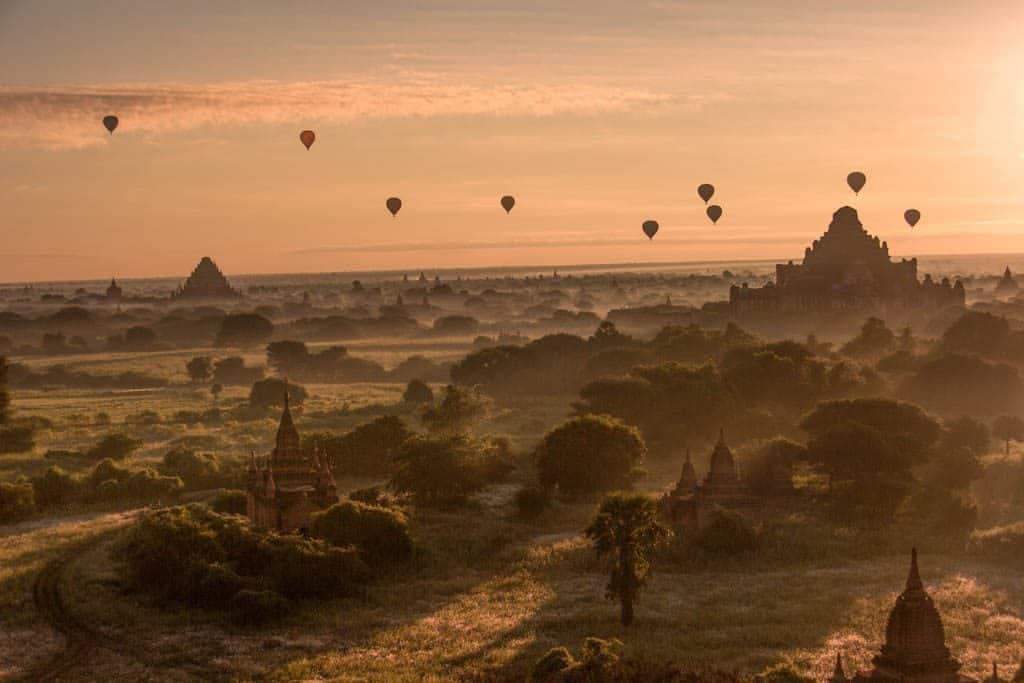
199	369
982	334
192	555
233	371
417	392
368	450
727	534
381	534
269	393
552	665
230	503
589	454
775	460
243	329
287	357
55	488
904	426
116	446
257	607
197	470
965	385
626	530
461	407
549	365
874	340
438	471
17	501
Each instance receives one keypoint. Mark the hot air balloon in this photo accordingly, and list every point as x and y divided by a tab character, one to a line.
110	123
650	229
714	213
393	204
856	181
507	202
912	216
706	191
308	137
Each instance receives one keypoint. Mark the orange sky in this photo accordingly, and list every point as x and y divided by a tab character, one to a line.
595	115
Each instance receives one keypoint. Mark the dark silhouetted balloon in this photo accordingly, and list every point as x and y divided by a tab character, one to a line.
650	229
393	204
308	137
507	202
110	123
856	181
912	216
714	213
706	192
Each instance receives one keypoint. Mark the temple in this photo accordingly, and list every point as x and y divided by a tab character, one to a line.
114	292
206	282
290	486
846	269
1007	285
915	642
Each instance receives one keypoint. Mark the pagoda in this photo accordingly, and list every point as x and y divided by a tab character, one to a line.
206	282
291	485
1007	284
114	292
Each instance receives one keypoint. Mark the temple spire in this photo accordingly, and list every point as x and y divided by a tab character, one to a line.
838	675
914	577
721	436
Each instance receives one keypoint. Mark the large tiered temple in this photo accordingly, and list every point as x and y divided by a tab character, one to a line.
206	282
291	485
847	269
915	643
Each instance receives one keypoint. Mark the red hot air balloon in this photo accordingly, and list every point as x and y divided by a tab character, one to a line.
706	192
856	181
307	137
110	123
393	204
507	202
714	213
912	216
650	229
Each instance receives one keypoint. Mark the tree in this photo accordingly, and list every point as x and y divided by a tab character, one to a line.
589	454
874	340
1008	428
368	450
626	529
233	370
244	329
966	385
437	470
269	393
287	357
5	399
380	534
215	390
199	369
417	392
116	446
903	425
459	410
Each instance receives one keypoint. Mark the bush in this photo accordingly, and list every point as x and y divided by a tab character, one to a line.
230	503
55	488
17	501
243	329
144	418
380	534
782	673
233	371
417	392
197	470
551	665
269	393
16	439
1001	544
373	495
255	608
437	470
531	502
368	450
116	446
727	535
589	454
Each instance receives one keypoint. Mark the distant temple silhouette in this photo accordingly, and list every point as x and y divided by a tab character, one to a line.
847	269
114	292
206	282
1007	285
291	485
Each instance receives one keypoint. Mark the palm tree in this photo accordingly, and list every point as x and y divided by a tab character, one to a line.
626	529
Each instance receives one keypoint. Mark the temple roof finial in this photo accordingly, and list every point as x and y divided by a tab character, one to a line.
721	436
838	674
914	577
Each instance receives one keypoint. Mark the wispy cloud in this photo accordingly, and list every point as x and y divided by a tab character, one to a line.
60	117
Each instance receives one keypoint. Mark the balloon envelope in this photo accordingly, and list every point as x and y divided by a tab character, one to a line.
393	204
856	181
507	202
706	192
714	212
650	229
110	123
308	137
912	216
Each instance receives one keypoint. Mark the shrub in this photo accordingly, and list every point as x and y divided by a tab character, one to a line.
551	665
530	502
15	439
782	673
373	495
460	409
727	534
368	450
116	446
143	418
17	501
437	470
1002	544
417	392
381	534
197	470
589	454
55	488
243	329
230	503
269	393
255	608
